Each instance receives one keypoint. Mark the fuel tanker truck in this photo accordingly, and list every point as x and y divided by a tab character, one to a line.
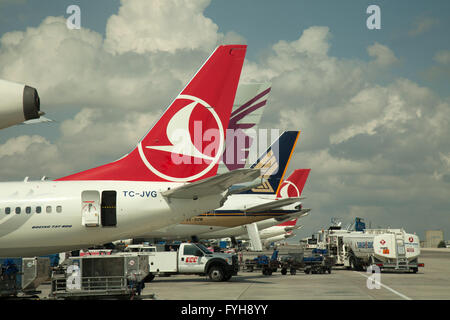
386	248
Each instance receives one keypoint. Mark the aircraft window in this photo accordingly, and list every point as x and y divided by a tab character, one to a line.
8	210
38	209
28	210
58	209
49	209
18	210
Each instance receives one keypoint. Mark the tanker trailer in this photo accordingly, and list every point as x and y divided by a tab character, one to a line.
389	249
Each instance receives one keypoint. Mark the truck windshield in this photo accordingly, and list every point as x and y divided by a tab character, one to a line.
203	248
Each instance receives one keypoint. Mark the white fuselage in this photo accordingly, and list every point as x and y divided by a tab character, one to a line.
217	228
183	231
280	237
241	232
67	207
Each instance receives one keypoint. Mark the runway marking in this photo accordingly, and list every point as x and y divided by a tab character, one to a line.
389	288
251	284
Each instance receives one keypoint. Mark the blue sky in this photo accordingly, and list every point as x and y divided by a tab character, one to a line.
264	23
374	131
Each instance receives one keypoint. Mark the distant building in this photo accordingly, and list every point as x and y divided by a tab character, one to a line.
433	237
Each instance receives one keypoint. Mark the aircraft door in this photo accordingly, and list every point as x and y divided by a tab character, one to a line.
90	208
109	217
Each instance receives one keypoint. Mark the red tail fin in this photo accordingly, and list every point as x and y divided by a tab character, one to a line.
289	223
293	185
187	142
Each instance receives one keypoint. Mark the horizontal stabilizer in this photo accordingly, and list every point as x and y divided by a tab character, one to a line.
236	189
300	214
273	204
39	120
213	185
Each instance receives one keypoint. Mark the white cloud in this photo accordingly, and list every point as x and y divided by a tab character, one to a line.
384	56
160	25
422	25
29	156
443	57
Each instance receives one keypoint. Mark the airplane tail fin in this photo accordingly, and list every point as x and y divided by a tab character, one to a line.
290	223
274	162
251	98
294	184
187	142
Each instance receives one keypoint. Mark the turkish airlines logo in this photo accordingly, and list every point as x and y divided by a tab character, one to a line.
411	239
192	141
382	242
289	190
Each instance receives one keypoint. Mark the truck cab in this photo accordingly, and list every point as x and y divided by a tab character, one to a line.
192	258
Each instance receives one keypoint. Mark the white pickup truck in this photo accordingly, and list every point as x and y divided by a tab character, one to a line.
188	258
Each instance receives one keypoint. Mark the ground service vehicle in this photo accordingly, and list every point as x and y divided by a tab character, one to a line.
192	258
293	261
264	263
387	248
317	261
22	275
104	276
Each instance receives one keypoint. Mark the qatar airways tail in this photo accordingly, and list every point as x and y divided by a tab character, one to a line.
168	177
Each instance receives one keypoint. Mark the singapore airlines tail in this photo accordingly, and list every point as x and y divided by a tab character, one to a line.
274	162
186	144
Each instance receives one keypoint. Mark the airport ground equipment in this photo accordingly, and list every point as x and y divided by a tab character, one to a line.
293	262
100	277
264	263
389	249
22	276
190	258
317	261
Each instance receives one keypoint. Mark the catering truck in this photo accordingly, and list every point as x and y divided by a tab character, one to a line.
191	258
386	248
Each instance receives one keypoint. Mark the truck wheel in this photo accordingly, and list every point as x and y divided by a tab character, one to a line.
352	263
227	277
216	273
293	271
149	277
414	270
307	270
284	271
267	271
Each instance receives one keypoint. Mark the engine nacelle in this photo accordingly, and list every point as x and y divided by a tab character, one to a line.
18	103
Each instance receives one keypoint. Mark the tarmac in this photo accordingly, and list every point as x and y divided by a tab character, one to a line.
431	282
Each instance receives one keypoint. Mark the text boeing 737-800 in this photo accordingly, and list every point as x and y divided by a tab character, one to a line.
168	177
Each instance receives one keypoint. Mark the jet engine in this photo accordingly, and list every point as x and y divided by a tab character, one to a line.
18	103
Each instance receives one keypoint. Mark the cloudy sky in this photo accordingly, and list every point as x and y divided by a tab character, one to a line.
373	105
